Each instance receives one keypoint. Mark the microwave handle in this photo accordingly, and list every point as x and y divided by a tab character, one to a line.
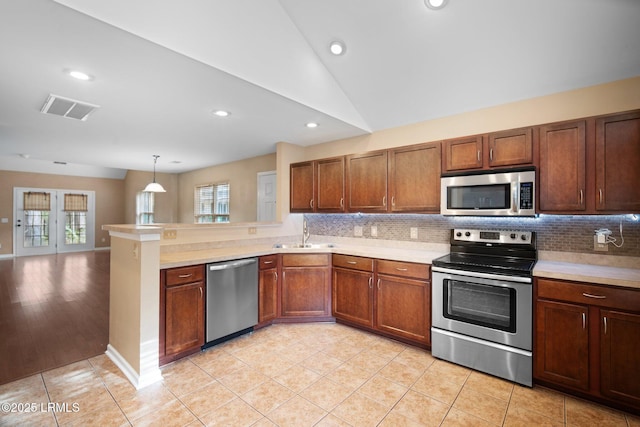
515	197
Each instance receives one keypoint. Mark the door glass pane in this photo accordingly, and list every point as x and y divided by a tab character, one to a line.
485	305
75	230
36	228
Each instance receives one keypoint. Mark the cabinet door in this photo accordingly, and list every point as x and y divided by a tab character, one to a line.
353	296
618	163
414	178
463	153
301	187
511	147
562	168
184	318
306	292
562	344
367	182
330	185
620	356
267	295
403	307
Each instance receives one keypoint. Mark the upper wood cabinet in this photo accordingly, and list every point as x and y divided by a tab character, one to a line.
301	187
317	186
330	181
414	178
462	153
498	149
562	167
367	184
511	147
618	163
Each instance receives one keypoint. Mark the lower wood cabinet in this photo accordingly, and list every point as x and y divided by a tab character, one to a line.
267	289
305	287
182	303
389	297
587	341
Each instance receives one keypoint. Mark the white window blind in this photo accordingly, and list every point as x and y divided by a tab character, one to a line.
144	207
211	203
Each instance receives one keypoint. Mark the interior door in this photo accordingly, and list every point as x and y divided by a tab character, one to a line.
266	196
51	221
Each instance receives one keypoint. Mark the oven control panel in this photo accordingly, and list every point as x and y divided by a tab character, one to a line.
492	236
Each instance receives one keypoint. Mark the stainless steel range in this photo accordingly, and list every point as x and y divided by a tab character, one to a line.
482	302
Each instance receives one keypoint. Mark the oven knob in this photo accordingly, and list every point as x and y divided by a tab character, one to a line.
467	234
459	234
513	235
523	237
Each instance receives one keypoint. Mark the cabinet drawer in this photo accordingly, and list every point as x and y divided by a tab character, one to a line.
403	269
603	296
305	260
269	261
182	275
354	262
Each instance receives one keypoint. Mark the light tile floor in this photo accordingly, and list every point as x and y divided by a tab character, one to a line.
318	374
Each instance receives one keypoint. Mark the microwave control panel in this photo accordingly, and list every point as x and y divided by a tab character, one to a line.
526	195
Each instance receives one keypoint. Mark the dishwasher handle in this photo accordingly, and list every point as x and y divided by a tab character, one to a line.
233	264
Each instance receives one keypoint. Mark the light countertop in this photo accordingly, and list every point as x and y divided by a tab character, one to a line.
589	273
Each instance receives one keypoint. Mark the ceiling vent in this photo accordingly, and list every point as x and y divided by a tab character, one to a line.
65	107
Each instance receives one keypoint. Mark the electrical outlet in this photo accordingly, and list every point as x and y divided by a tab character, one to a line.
414	232
253	230
357	231
170	234
602	247
374	231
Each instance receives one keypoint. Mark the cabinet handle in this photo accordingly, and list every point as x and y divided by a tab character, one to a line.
584	321
393	200
478	156
593	296
605	324
184	276
402	269
491	154
268	262
378	284
352	262
370	282
342	202
275	273
581	197
384	200
201	293
311	203
600	191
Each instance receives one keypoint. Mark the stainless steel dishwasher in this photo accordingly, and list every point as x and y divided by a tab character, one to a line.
232	299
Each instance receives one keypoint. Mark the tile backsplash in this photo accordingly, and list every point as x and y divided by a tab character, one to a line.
560	233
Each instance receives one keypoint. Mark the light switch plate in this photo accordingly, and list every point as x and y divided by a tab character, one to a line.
357	231
414	232
374	231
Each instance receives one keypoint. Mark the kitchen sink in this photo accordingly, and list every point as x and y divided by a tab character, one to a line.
304	246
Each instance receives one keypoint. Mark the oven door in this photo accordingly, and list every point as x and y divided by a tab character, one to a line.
489	307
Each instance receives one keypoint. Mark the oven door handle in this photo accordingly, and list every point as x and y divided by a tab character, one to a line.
482	275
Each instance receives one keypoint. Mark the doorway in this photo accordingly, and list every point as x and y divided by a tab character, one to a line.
266	196
53	221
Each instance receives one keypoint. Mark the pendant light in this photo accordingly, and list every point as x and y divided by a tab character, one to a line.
154	187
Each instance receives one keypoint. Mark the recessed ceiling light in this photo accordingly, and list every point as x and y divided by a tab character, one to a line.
337	47
80	75
435	4
221	113
312	125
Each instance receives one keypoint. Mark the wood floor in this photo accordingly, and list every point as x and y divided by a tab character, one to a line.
54	310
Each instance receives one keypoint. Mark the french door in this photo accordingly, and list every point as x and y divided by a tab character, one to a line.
51	221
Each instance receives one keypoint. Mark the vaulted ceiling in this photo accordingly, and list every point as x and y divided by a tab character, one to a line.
159	69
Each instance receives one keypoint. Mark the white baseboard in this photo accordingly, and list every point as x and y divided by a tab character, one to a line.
138	380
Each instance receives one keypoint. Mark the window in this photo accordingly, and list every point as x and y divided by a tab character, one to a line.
144	207
75	212
211	203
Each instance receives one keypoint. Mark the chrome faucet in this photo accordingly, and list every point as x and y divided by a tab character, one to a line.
305	232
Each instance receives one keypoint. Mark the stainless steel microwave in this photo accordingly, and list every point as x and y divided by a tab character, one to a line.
489	193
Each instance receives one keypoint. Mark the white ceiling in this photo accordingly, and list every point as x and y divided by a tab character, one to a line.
161	67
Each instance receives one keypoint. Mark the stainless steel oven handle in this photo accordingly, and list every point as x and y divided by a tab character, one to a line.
482	275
